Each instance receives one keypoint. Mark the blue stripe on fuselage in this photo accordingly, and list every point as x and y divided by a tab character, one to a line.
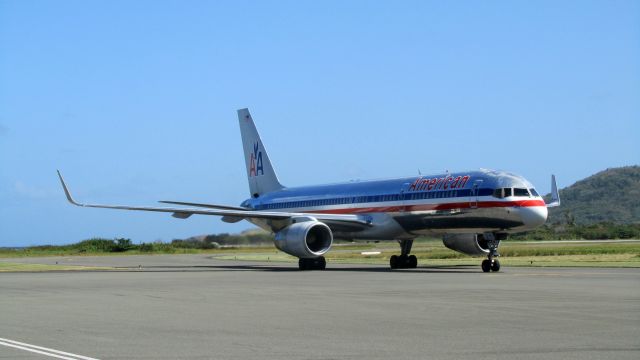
447	194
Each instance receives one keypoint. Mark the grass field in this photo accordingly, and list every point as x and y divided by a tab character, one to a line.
590	254
429	253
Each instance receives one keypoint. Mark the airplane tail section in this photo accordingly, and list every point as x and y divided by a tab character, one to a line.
555	195
262	177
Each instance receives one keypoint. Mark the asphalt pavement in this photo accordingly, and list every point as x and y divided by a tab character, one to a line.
197	307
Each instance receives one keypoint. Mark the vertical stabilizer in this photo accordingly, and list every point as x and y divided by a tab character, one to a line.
262	177
555	195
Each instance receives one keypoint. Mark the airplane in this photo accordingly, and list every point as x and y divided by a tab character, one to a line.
473	211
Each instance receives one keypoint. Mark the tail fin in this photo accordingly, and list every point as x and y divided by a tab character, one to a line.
555	195
262	177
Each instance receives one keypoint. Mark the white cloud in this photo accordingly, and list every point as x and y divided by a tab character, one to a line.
29	191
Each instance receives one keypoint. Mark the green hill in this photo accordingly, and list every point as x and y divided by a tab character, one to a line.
612	195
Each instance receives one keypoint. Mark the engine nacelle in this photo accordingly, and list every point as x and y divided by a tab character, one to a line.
469	244
307	239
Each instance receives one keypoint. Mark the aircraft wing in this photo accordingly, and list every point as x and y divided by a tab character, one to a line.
212	206
183	213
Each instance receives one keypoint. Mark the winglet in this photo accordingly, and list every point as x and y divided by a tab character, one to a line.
555	195
66	190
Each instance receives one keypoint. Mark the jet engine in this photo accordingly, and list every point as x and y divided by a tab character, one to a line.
469	244
307	239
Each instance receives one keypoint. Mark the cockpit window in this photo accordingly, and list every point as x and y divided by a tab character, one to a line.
507	192
520	192
534	192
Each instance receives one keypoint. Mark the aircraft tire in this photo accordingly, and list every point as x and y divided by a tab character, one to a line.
412	262
312	264
321	263
495	266
393	262
403	262
303	264
486	265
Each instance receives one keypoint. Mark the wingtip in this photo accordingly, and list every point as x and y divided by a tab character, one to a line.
66	190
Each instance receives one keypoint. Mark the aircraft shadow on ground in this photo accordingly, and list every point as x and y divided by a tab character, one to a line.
276	268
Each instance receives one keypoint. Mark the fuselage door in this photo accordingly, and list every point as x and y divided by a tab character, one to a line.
473	198
404	196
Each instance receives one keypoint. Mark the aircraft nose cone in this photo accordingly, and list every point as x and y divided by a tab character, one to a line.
534	216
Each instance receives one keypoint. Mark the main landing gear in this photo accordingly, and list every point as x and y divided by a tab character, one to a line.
318	263
404	261
493	241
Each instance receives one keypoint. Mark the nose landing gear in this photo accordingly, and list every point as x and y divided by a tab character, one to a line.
491	265
493	241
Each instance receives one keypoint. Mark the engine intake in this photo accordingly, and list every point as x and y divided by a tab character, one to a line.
308	239
469	244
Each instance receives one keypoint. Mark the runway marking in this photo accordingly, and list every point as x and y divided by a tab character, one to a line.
43	350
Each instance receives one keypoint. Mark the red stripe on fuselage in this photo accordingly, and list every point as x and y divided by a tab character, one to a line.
423	207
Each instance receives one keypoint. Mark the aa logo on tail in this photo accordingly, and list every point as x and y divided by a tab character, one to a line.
255	165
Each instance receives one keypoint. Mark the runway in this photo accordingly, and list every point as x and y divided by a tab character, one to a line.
196	307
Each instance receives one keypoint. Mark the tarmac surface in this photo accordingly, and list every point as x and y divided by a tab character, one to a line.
197	307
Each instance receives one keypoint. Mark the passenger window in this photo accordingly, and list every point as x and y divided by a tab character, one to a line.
507	192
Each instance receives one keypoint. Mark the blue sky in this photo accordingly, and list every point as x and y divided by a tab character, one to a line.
136	101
